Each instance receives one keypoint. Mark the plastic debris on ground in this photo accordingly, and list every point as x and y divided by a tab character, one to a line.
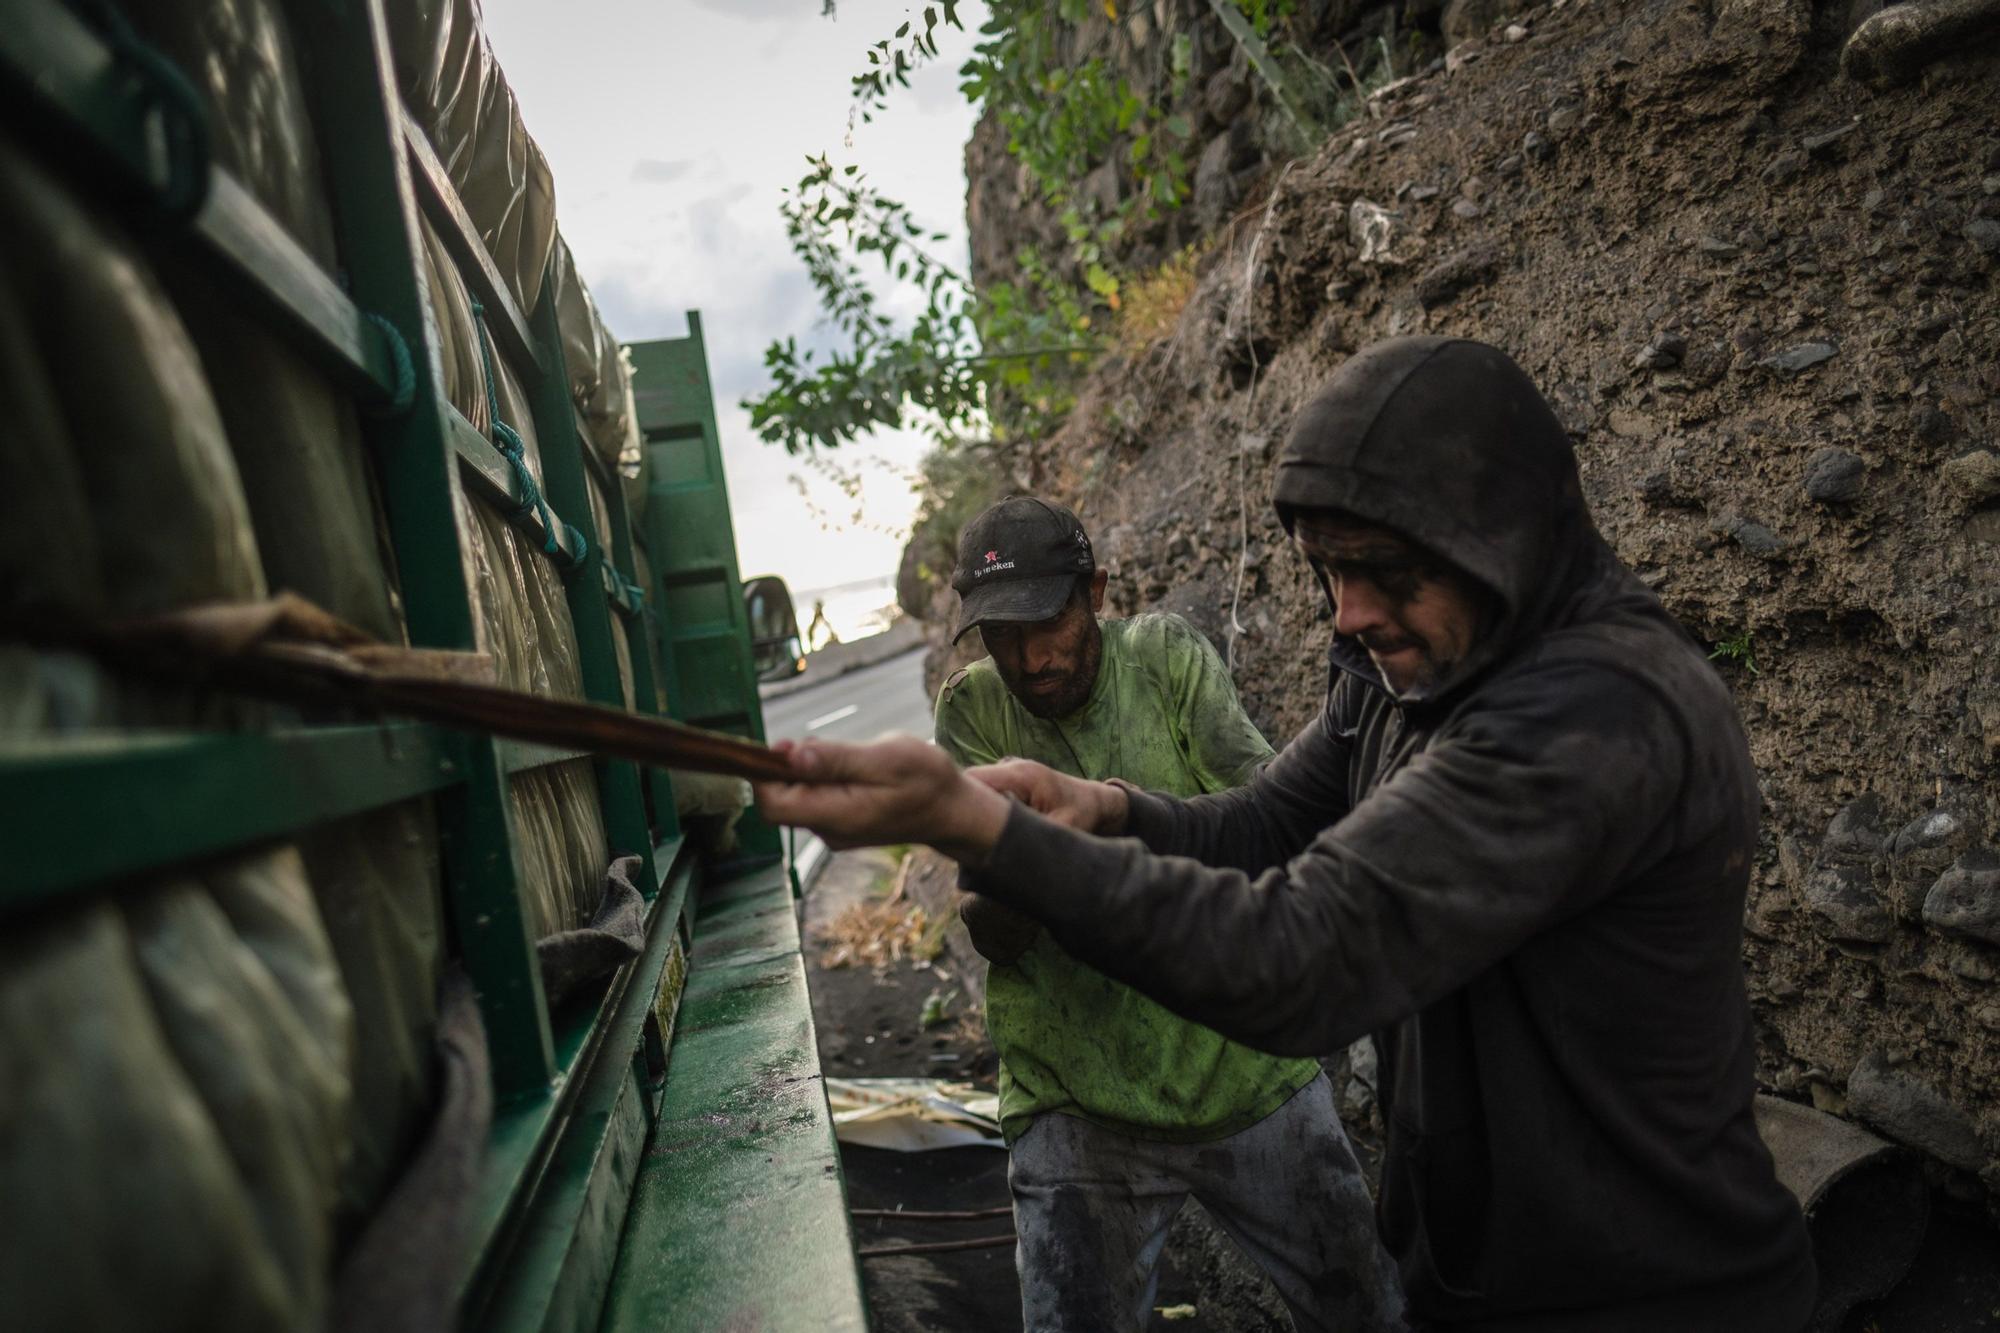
913	1114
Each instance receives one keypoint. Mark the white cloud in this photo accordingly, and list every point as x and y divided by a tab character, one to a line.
653	171
761	11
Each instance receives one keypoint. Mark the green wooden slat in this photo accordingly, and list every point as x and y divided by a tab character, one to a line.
621	601
637	622
526	756
491	480
638	628
531	1177
568	491
441	204
593	462
172	798
689	532
739	1219
65	75
565	1230
359	116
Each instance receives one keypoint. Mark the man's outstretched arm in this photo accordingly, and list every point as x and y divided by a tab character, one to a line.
963	730
1520	817
1274	816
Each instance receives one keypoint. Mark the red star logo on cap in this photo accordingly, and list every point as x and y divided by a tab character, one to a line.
991	556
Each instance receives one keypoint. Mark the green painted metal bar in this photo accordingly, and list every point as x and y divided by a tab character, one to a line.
176	797
491	479
566	1229
440	203
739	1219
360	119
593	463
526	756
529	1133
71	83
568	491
639	629
705	631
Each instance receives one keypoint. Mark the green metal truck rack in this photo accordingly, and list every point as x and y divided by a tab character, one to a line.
665	1159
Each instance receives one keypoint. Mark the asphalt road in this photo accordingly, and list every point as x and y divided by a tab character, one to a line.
859	706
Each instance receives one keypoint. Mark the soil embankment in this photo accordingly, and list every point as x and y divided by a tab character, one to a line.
1763	297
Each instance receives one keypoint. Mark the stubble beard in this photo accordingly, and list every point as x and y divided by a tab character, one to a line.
1074	692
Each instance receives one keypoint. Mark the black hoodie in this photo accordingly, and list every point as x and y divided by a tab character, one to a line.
1528	883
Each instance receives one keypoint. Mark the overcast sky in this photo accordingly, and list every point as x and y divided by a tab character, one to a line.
671	126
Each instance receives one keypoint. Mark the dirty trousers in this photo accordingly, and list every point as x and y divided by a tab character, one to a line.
1092	1206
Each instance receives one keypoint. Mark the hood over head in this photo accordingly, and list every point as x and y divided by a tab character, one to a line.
1448	443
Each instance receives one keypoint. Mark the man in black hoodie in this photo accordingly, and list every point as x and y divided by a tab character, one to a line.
1513	847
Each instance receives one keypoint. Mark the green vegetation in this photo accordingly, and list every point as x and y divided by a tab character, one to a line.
941	365
1003	362
1737	650
936	1010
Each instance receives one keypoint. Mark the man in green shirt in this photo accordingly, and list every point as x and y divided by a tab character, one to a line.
1116	1110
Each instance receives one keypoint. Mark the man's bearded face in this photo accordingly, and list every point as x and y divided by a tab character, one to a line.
1417	617
1050	665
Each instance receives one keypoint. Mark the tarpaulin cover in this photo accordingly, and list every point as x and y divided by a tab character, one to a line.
168	524
459	97
570	959
521	615
464	385
399	1275
240	57
175	1058
320	532
295	437
376	879
600	371
187	1105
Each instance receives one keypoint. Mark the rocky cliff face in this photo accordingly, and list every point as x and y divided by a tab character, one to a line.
1764	299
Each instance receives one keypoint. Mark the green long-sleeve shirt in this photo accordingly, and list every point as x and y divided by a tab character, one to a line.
1163	716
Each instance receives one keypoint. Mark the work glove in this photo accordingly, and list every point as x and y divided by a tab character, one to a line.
999	933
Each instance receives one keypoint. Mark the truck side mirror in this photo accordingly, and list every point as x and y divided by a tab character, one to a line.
776	648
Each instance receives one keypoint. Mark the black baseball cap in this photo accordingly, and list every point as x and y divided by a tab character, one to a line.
1018	563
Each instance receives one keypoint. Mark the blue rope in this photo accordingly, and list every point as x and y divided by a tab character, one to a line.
404	392
508	441
634	594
